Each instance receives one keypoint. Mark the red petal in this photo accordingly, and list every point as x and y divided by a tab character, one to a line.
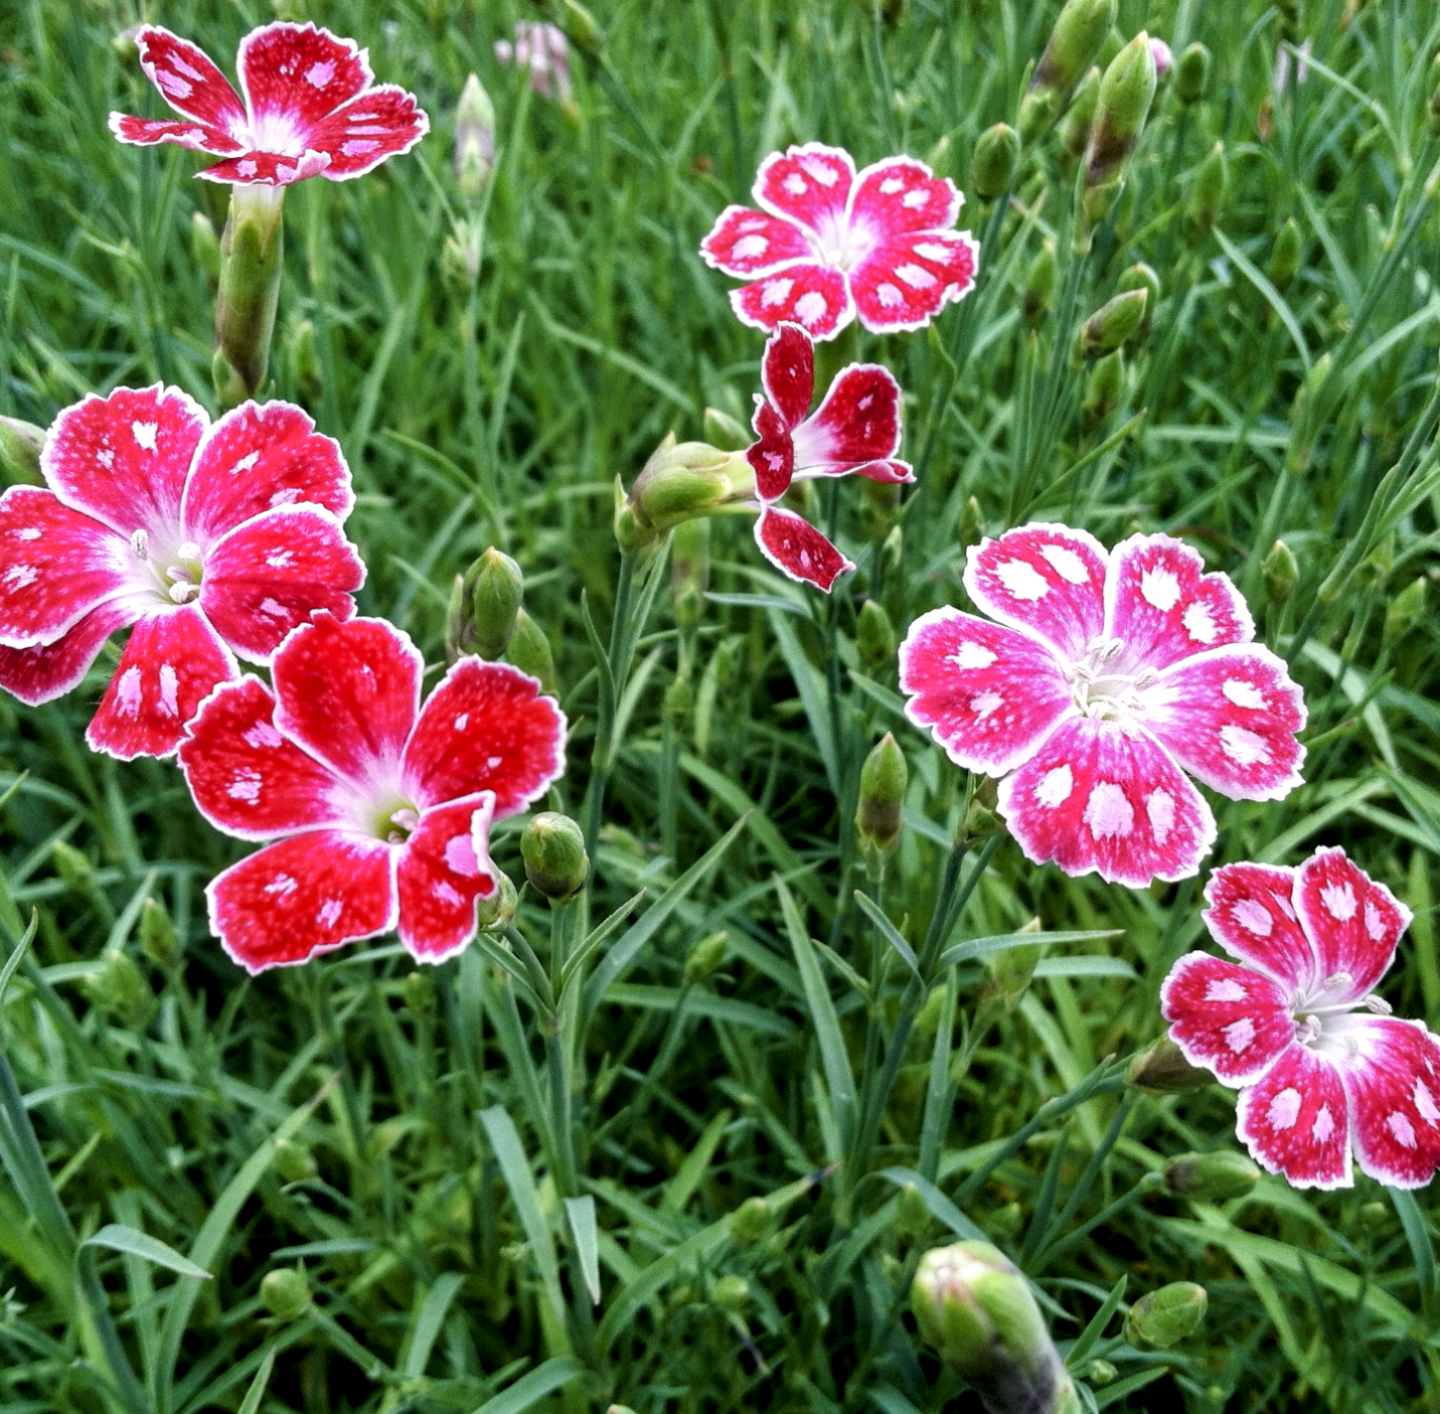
303	896
787	373
198	137
188	79
125	458
297	74
1354	922
441	874
1048	579
258	457
1252	917
246	779
1295	1121
796	547
814	296
267	169
810	184
37	675
1393	1082
56	565
988	694
1228	1018
1096	798
1229	718
269	575
485	728
383	122
172	663
900	195
858	422
1164	606
745	242
348	693
905	280
772	458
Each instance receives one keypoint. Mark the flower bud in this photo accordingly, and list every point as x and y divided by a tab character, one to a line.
726	432
294	1162
1303	428
1207	195
494	587
553	849
1161	1069
1405	611
1163	1318
1285	255
1210	1178
730	1293
1163	56
474	140
1113	323
1192	75
1040	284
421	995
495	913
285	1293
157	934
751	1222
73	866
981	821
1375	1216
1010	972
20	446
874	635
996	156
117	987
1141	277
893	548
974	1308
681	481
205	246
1101	1373
883	779
1126	92
972	523
705	959
1102	390
1080	31
1279	572
689	571
460	257
912	1217
529	650
1075	125
581	29
126	42
679	701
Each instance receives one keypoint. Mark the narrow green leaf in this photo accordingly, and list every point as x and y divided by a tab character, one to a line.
1086	1340
888	931
814	695
510	1155
119	1238
597	938
1271	295
681	1188
251	1403
429	1320
532	1388
1412	1219
941	1208
584	1229
983	947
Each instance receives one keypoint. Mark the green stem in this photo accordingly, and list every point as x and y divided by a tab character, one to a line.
250	260
603	755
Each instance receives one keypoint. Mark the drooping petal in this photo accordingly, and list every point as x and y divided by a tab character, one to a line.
258	457
294	75
384	121
485	727
349	693
172	663
1048	579
795	547
1353	922
1097	797
37	675
1159	599
858	423
1252	917
772	458
56	566
900	195
185	132
745	243
905	280
270	574
1392	1079
1295	1121
188	80
275	169
303	896
810	184
988	694
441	874
787	373
814	296
1230	718
248	780
1226	1017
124	459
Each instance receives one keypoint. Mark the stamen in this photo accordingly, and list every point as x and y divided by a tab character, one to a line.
406	818
1379	1006
179	574
140	544
188	551
183	593
1336	980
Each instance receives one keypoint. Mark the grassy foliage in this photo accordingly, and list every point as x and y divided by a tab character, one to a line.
392	1131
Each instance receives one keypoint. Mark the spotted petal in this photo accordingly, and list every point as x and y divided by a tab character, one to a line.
814	296
1295	1121
1252	917
745	243
901	195
444	867
795	547
1225	1017
276	169
905	280
810	184
294	75
188	79
1354	923
384	121
787	374
856	429
772	458
1393	1082
184	132
37	675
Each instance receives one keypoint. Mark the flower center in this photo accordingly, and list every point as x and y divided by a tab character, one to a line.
1327	1025
175	572
1100	686
840	245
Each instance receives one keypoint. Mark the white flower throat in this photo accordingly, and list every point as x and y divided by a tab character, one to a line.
1105	687
175	572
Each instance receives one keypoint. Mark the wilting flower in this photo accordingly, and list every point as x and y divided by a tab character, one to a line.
1322	1067
541	48
211	540
1107	678
311	107
832	244
379	808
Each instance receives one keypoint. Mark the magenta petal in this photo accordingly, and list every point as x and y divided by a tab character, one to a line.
1048	579
1162	603
125	458
814	296
1225	1017
383	122
270	574
1295	1121
772	458
1252	917
787	373
188	79
349	693
303	896
744	242
258	457
989	695
809	184
294	75
198	137
906	280
485	727
1354	922
1098	797
247	779
37	675
267	169
1230	718
858	422
901	195
172	663
1393	1083
796	547
441	874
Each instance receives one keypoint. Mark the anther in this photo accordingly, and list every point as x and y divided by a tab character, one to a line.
1337	980
1379	1006
183	593
188	551
140	544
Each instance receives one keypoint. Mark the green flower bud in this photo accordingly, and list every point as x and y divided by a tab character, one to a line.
1405	611
460	257
285	1294
1207	196
974	1308
981	821
304	360
553	849
495	913
205	246
581	29
1210	1178
20	446
294	1162
874	635
1161	1069
1163	1318
1113	323
680	482
474	140
1080	31
730	1293
1101	1373
912	1217
1141	277
1375	1216
972	523
726	432
126	42
157	934
993	164
1075	125
421	995
250	261
1006	1220
118	987
1040	284
1303	428
690	571
679	701
1009	973
1102	390
1126	92
751	1222
705	959
494	587
73	866
619	1409
883	779
457	622
1280	572
529	650
1285	255
1192	73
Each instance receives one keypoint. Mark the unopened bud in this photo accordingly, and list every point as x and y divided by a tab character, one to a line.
553	849
294	1162
1075	125
1126	92
1142	277
285	1294
679	701
529	650
118	987
157	934
1163	56
883	779
126	42
751	1222
892	549
494	587
474	140
972	523
581	29
73	866
912	1216
460	257
1210	1178
1040	284
1080	31
20	446
981	821
1192	74
874	635
1161	1069
730	1293
1163	1318
205	246
1212	181
682	480
496	911
1113	323
1280	571
1375	1215
1285	255
1010	971
1303	428
996	156
1102	390
1405	611
726	432
1101	1373
705	959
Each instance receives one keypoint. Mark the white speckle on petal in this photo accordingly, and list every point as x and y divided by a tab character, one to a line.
173	85
447	893
1340	900
1284	1109
281	884
1242	693
1401	1128
889	295
747	247
796	183
1067	564
1108	812
279	559
822	171
245	786
491	762
1055	787
1022	580
21	576
262	736
776	291
1254	916
127	693
1243	747
811	307
916	276
891	185
1160	588
1200	623
285	496
984	703
1324	1125
247	167
915	198
169	690
273	609
358	146
1225	989
144	434
1374	922
1425	1103
245	463
972	655
1239	1034
932	250
1160	810
330	912
462	721
105	457
319	74
27	532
